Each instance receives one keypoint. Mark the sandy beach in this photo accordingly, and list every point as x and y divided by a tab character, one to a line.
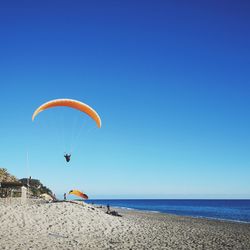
64	225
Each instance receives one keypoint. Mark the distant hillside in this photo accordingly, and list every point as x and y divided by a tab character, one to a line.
36	187
6	177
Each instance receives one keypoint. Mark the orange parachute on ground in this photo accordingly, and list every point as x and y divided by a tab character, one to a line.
72	104
78	193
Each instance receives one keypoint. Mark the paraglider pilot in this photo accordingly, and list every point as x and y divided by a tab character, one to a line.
67	157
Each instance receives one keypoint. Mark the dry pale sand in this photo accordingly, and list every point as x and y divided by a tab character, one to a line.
64	225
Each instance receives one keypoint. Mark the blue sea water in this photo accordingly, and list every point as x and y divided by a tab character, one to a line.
233	210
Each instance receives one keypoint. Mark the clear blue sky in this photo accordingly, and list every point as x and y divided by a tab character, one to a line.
170	80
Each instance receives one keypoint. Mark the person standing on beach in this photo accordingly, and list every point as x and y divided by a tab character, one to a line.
108	209
64	196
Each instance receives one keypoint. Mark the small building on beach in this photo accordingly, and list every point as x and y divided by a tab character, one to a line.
12	189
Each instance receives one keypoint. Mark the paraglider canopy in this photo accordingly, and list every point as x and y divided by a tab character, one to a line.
72	104
79	194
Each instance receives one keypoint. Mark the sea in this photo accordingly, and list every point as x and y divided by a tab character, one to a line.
230	210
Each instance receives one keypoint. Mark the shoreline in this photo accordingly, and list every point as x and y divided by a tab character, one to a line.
169	213
188	216
124	210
